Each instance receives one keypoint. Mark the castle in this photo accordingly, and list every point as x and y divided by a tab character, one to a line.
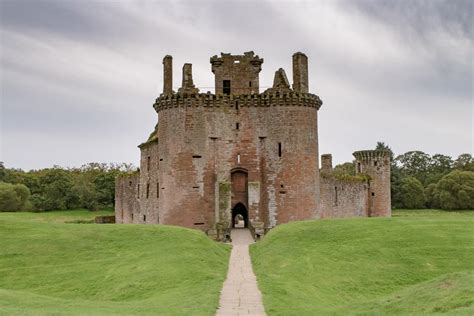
241	152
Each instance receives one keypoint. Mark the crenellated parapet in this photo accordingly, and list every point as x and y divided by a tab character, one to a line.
270	99
364	155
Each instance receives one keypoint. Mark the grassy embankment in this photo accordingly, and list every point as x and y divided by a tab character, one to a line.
413	263
49	266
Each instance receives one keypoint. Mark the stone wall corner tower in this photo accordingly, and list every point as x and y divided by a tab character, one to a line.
376	164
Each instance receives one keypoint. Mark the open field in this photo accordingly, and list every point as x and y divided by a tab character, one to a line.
48	266
417	262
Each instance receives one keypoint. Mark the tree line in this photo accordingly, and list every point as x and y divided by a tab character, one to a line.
419	180
90	186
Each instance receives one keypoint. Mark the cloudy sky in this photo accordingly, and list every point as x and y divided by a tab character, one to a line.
78	78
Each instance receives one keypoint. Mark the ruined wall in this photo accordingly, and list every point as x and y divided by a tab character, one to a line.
149	183
343	198
204	137
126	199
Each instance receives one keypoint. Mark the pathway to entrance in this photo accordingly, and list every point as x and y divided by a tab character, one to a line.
240	294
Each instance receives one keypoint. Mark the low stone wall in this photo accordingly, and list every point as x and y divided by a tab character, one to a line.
343	198
104	219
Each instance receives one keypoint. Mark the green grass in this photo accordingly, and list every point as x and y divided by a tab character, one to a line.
50	267
414	263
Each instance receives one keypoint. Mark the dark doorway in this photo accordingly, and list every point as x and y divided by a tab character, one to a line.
239	213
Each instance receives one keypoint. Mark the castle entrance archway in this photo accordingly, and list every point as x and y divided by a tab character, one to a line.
240	216
239	179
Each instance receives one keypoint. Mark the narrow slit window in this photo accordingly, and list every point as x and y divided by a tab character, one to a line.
147	190
250	84
375	163
144	218
279	149
226	86
238	158
358	167
148	163
157	189
237	125
236	105
335	195
138	190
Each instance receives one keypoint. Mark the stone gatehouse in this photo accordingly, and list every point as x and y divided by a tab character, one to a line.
240	151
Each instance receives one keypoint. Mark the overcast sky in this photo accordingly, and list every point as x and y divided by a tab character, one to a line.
78	78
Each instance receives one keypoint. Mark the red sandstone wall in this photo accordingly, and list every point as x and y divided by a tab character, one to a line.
200	145
126	199
149	164
343	198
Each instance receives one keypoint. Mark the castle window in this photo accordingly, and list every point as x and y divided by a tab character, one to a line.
279	149
157	189
144	218
148	163
147	190
237	105
373	193
129	183
138	190
358	167
375	163
237	125
250	84
132	216
238	158
335	196
226	87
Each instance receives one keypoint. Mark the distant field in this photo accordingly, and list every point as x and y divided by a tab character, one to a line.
417	262
50	267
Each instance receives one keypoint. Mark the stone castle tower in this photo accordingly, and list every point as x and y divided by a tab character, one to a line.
242	152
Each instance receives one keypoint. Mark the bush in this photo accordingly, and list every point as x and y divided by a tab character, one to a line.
13	197
455	191
412	193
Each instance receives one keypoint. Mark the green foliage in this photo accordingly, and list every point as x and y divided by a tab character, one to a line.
412	193
454	191
91	186
50	267
346	168
464	162
415	263
13	197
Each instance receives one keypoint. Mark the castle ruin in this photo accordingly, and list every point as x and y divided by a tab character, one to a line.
242	152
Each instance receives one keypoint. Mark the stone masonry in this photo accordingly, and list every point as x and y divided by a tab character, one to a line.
240	151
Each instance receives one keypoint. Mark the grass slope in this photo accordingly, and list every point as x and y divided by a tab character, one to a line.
49	267
415	262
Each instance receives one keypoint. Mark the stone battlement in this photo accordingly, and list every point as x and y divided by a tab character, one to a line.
266	99
370	154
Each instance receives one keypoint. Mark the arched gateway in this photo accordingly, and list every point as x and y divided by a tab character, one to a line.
239	178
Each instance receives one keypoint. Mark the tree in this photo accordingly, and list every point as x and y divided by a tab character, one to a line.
383	146
13	197
412	193
415	164
455	191
464	162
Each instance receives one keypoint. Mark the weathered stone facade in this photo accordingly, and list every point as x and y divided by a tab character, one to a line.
239	151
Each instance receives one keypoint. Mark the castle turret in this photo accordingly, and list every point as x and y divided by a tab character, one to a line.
300	73
376	164
167	74
237	74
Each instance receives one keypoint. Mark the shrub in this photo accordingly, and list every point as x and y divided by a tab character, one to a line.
412	193
13	197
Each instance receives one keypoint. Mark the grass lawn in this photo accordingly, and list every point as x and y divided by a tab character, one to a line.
417	262
51	267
